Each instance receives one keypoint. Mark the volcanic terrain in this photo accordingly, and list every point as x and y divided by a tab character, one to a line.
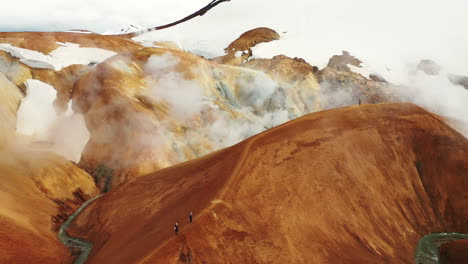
164	132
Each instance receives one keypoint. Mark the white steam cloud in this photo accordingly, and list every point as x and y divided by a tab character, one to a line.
438	94
434	92
184	96
64	133
255	91
36	112
188	98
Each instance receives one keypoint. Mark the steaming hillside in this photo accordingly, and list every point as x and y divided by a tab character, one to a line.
84	113
149	108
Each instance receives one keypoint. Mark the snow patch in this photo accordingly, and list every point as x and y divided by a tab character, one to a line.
64	56
79	31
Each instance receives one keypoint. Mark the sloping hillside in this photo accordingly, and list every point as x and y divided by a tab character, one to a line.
38	191
360	184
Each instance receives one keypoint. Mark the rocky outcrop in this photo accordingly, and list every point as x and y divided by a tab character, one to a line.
341	62
459	80
429	67
241	49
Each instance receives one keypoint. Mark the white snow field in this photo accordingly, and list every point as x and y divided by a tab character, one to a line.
65	55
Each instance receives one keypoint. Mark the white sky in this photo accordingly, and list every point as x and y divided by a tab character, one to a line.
376	30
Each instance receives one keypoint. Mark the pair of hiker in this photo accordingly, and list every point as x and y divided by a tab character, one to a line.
176	226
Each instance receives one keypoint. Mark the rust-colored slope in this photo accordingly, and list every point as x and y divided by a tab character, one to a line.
26	234
359	184
38	191
21	245
11	98
455	252
208	176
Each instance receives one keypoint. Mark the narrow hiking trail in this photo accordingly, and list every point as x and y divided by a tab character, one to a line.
74	242
180	235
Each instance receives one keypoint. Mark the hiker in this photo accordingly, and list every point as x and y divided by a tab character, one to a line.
176	228
190	217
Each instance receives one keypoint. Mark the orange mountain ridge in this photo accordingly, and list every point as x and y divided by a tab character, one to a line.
360	184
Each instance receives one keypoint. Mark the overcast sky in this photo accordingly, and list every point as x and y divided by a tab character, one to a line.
404	30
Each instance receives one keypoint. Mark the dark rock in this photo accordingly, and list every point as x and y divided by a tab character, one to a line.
429	67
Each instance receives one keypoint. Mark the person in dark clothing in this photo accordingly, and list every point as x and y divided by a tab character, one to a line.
176	228
190	217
